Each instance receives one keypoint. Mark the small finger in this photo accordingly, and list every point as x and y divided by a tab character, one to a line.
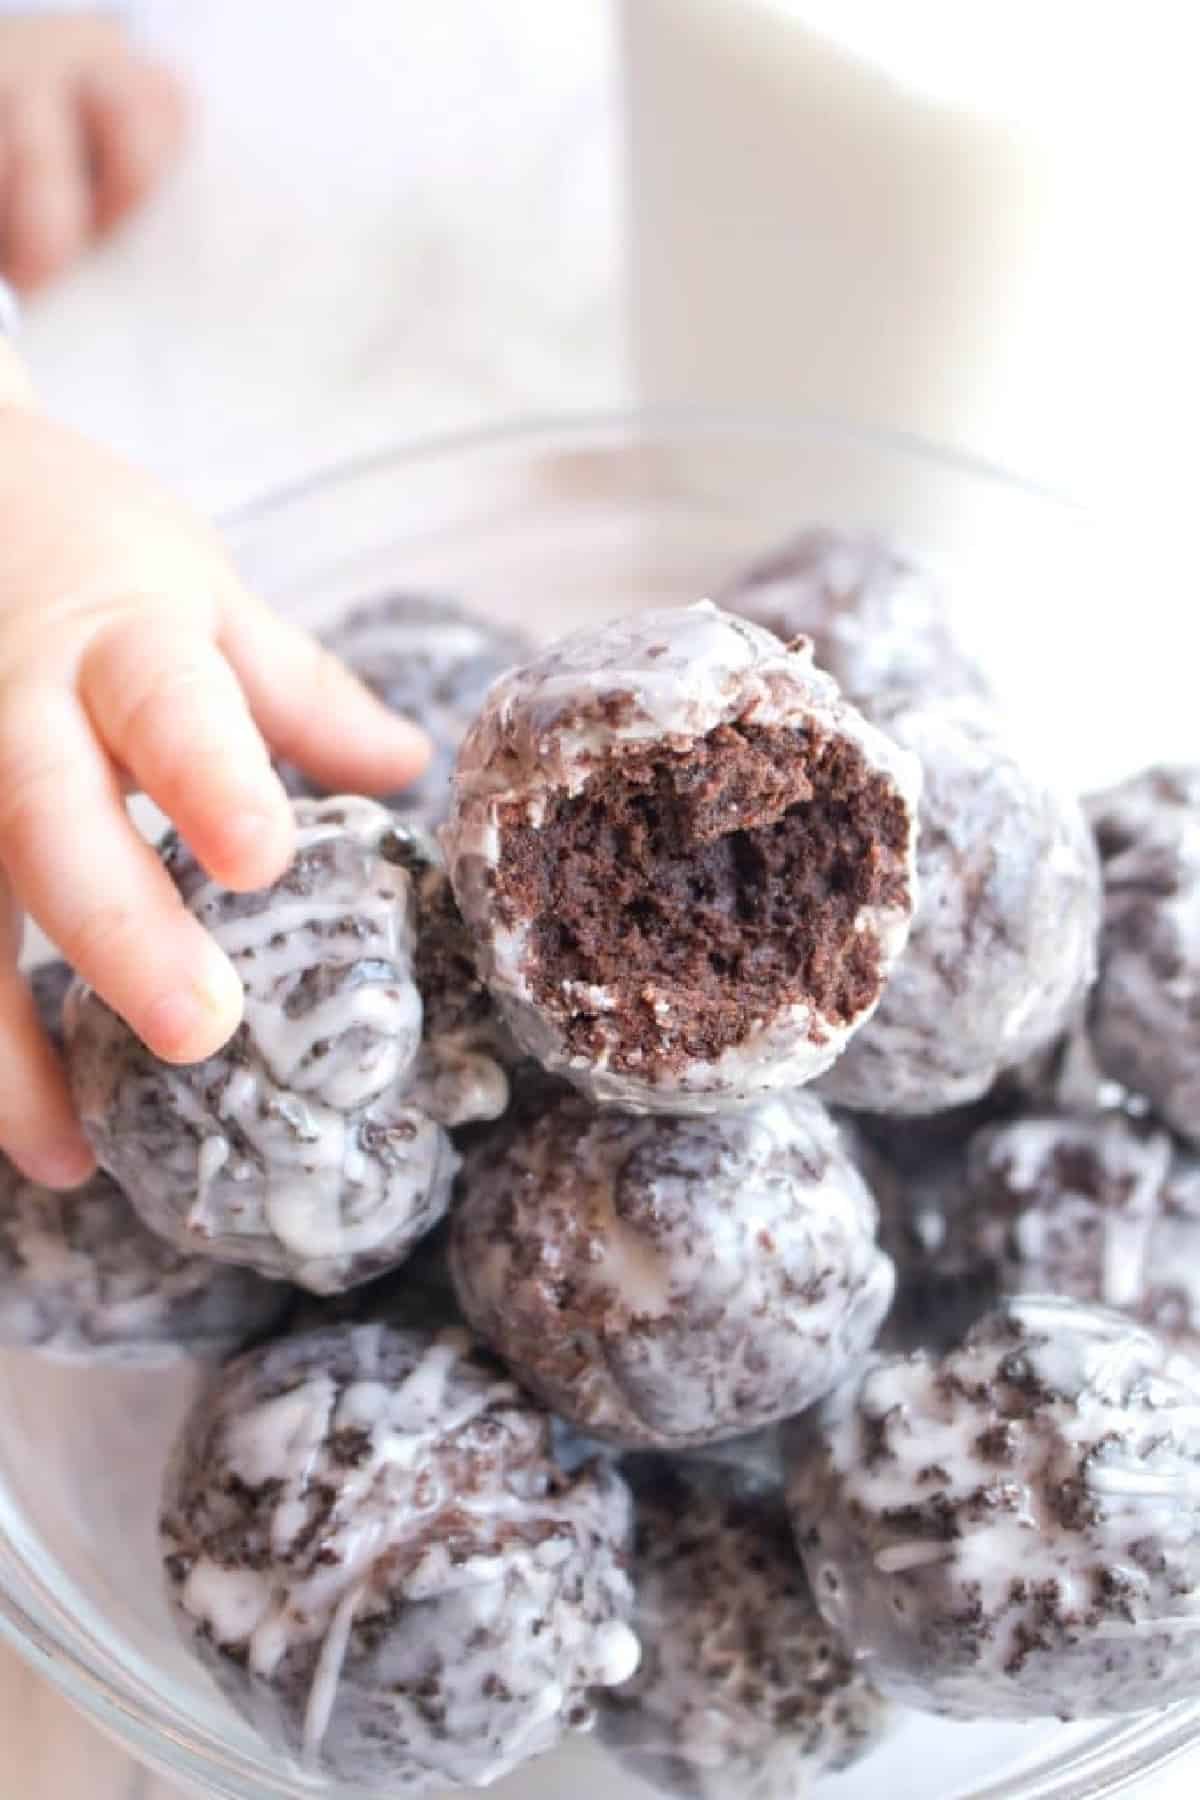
47	210
314	712
133	119
171	711
99	892
38	1127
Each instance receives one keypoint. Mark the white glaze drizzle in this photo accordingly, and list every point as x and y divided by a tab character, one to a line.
507	1591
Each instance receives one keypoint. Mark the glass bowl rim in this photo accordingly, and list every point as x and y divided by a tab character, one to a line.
615	423
63	1649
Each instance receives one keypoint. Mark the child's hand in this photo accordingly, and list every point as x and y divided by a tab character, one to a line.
130	656
87	127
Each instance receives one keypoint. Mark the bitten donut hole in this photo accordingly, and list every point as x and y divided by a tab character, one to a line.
683	897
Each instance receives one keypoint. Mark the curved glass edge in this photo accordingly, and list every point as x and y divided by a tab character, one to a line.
637	422
1129	1750
120	1707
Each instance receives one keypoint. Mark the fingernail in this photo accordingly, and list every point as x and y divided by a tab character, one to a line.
62	1164
189	1023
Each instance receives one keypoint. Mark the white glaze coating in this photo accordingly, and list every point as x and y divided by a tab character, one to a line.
83	1280
669	677
312	1146
879	620
1003	946
672	1281
1100	1209
368	1544
1014	1530
743	1692
1146	1007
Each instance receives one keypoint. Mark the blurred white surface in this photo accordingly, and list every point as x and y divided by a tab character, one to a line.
974	230
1051	69
392	220
923	243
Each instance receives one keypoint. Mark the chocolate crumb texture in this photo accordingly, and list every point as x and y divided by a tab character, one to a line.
743	1691
1012	1530
880	619
1145	1012
688	864
371	1547
1103	1208
314	1146
83	1280
671	1282
1004	943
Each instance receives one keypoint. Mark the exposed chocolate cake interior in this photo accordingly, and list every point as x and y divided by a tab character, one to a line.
704	889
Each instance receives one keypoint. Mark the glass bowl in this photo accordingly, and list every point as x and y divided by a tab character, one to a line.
550	524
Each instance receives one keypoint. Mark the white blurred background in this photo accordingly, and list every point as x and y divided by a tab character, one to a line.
968	220
392	219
